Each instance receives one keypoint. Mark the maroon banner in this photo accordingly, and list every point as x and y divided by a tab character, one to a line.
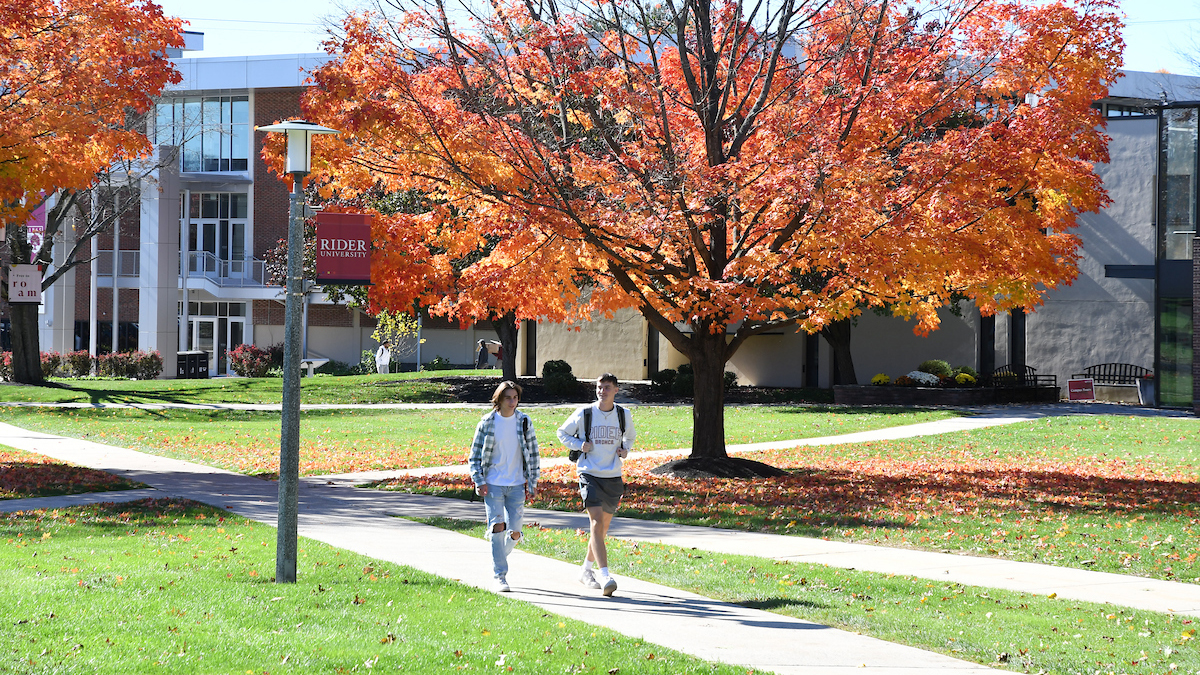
343	249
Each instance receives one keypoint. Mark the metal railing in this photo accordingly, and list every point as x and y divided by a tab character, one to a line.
226	272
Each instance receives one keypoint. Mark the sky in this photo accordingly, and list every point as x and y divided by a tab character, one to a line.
1158	33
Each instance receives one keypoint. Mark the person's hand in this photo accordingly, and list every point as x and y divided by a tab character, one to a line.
622	453
530	492
587	447
481	490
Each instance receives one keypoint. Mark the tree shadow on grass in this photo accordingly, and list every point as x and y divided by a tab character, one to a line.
770	604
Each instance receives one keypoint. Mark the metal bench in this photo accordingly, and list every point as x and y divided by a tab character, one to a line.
1021	376
1113	373
312	365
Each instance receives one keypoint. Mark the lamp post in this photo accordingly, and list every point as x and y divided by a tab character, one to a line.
299	151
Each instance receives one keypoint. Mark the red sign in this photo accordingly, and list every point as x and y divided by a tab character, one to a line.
1081	390
35	229
344	248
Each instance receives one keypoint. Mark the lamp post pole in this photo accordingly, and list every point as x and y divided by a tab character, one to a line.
299	148
289	435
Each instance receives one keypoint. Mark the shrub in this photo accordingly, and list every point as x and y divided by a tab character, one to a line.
6	366
730	380
881	379
958	370
365	365
137	365
439	363
559	379
685	381
662	380
51	362
79	363
936	367
334	367
905	381
964	380
250	361
276	353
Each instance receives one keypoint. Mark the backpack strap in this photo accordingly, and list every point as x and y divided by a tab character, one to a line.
524	440
587	424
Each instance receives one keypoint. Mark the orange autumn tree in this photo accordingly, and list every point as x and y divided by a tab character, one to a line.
730	168
74	76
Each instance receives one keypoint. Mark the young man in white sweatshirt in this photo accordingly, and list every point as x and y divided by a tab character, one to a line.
600	436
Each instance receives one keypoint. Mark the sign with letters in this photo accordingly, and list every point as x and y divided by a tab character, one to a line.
35	230
1081	390
25	284
343	249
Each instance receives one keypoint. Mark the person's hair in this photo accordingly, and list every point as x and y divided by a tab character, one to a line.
608	377
503	387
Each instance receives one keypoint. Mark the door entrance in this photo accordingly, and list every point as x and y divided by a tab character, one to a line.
216	335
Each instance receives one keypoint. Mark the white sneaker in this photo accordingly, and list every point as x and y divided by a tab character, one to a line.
588	579
502	585
610	586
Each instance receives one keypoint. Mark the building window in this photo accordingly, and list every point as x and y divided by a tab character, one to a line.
1112	110
1174	374
1177	206
212	131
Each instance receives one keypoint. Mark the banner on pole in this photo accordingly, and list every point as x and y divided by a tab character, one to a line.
343	249
35	231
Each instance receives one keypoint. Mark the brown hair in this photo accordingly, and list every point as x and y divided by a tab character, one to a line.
608	377
503	387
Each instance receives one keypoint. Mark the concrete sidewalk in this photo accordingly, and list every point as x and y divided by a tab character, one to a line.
362	521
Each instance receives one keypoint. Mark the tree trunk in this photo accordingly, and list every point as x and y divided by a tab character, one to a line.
837	334
708	391
506	330
26	353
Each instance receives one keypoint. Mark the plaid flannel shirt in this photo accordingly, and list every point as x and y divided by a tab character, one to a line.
484	445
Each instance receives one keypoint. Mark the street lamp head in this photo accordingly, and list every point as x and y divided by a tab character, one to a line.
299	142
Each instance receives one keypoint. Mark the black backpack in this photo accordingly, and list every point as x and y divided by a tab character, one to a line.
574	455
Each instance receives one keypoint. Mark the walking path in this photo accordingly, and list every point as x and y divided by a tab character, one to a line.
362	521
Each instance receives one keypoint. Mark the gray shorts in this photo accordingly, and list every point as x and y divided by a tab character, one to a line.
603	492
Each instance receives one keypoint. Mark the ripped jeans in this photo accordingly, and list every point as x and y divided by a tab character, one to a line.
503	504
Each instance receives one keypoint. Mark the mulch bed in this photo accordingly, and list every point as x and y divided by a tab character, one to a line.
479	390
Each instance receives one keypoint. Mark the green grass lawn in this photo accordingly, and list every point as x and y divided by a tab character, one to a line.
394	388
26	474
1099	492
1004	629
362	440
176	587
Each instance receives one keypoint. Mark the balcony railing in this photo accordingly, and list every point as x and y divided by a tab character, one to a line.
226	272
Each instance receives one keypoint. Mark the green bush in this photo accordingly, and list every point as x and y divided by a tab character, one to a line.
79	363
51	362
730	380
249	361
334	367
137	365
663	379
685	381
559	379
936	367
438	363
968	370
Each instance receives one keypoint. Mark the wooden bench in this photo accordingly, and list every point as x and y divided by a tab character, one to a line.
1021	376
1113	374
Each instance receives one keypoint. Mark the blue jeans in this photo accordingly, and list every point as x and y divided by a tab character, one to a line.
503	504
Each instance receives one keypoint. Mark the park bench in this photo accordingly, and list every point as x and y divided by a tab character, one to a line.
312	365
1114	374
1021	376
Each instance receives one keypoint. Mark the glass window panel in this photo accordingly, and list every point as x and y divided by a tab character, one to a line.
222	309
192	145
241	109
209	242
164	124
1174	376
208	308
237	242
209	205
237	309
1179	188
193	308
239	147
224	198
223	248
194	210
236	333
237	208
193	238
212	134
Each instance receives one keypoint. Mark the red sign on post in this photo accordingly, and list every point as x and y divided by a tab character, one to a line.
344	249
1081	390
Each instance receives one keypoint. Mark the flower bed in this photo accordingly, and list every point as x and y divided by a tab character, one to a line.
851	394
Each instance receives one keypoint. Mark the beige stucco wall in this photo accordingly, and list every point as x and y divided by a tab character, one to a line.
616	345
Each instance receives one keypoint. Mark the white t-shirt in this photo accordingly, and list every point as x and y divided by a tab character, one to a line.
506	468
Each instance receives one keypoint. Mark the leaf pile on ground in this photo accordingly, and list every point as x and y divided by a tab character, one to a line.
179	587
26	474
1133	512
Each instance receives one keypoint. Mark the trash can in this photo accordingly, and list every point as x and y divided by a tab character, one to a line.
191	365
